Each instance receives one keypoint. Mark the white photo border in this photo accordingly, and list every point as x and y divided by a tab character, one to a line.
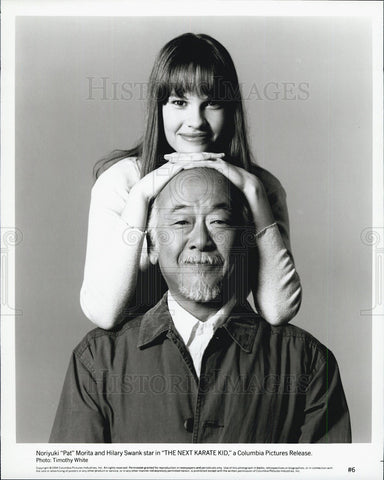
18	460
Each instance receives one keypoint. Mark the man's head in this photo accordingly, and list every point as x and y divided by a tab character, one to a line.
195	227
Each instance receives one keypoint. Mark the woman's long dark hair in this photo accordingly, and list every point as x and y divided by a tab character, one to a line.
189	64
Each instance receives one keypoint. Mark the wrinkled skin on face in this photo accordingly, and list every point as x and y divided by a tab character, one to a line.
195	233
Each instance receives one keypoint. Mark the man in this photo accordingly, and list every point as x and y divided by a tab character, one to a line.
201	366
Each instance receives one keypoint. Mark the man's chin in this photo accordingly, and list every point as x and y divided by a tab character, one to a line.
201	292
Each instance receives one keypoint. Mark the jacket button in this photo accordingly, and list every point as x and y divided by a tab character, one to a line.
188	425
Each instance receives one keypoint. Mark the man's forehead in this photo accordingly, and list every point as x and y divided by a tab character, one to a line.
201	187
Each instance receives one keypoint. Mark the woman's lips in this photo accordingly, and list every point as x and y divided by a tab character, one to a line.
195	137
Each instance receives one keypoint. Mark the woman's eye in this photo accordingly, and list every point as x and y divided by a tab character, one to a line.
214	104
181	222
178	103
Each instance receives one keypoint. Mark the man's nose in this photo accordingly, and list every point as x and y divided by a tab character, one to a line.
200	237
196	117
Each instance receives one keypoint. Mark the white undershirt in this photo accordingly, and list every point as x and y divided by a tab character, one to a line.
195	333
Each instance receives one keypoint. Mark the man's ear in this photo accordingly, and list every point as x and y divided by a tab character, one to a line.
153	253
153	257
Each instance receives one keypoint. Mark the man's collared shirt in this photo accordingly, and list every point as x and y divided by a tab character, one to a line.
258	384
195	333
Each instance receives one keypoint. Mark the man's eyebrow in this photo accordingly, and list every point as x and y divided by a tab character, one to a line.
217	206
180	206
222	206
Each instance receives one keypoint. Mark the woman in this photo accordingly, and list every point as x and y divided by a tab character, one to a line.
195	118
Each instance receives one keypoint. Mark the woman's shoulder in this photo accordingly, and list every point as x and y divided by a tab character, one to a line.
122	174
271	183
126	167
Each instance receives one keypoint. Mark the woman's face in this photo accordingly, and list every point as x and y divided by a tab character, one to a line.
193	123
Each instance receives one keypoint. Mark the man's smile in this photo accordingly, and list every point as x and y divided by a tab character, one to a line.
203	260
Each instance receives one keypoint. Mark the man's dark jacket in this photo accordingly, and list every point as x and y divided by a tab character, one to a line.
258	383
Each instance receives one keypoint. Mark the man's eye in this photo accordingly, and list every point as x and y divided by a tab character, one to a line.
181	222
220	222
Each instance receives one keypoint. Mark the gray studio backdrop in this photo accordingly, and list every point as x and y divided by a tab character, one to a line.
307	89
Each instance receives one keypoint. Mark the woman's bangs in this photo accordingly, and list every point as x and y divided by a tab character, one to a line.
202	80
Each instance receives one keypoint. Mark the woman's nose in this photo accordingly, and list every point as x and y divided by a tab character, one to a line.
196	117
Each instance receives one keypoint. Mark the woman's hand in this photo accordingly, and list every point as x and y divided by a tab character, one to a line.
151	185
185	158
248	183
140	195
245	181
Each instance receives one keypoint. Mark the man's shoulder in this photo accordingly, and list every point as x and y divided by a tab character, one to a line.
101	347
287	339
300	340
100	344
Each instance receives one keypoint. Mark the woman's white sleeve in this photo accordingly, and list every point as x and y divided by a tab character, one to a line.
277	286
113	249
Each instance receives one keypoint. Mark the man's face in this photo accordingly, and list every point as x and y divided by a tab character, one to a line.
194	234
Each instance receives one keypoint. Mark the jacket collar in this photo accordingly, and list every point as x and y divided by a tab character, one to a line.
241	325
156	322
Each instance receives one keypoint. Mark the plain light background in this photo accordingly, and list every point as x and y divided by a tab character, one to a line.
319	147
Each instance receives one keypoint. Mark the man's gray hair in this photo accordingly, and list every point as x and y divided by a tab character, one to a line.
245	218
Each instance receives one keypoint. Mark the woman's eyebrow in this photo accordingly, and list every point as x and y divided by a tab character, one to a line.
175	95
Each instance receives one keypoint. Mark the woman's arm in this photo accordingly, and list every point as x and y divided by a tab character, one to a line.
276	287
114	249
277	292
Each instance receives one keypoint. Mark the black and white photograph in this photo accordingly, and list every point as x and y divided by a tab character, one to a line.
192	240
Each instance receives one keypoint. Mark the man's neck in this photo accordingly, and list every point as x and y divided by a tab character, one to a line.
200	310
